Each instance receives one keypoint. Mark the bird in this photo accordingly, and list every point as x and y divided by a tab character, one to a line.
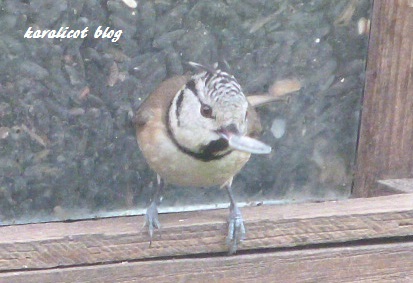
199	131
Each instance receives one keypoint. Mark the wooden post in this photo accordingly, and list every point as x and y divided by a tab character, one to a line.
385	149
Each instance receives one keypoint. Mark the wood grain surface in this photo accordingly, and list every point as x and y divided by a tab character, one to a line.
386	133
369	263
50	245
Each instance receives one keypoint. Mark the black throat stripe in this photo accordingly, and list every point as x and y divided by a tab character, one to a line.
191	86
179	106
207	153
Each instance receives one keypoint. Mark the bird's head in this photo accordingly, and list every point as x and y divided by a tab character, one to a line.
208	116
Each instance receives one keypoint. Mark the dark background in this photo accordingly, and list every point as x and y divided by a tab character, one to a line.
67	145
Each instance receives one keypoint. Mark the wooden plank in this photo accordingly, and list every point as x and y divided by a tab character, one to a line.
398	186
386	133
368	263
50	245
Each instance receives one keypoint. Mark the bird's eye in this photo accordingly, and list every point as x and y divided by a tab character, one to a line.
206	111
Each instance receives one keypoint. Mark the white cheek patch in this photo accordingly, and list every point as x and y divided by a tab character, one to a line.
190	110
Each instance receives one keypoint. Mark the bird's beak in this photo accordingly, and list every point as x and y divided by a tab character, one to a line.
244	143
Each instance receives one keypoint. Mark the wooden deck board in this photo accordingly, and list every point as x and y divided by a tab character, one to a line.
37	246
369	263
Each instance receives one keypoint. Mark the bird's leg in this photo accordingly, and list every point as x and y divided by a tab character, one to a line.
151	216
236	229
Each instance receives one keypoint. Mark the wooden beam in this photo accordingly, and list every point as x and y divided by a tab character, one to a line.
368	263
397	186
50	245
386	133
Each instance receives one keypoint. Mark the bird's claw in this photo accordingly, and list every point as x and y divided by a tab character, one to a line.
151	220
236	229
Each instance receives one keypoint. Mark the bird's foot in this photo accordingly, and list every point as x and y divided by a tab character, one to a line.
236	229
151	220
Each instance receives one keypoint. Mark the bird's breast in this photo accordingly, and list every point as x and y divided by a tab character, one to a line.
180	168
